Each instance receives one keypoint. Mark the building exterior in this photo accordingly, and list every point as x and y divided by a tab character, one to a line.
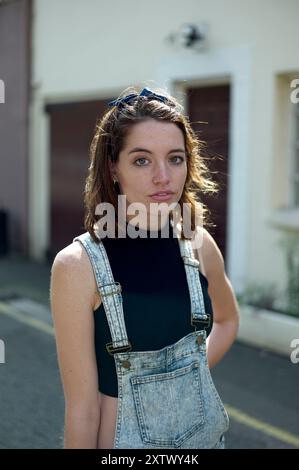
240	81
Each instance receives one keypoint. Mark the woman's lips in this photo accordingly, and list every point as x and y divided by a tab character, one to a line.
162	196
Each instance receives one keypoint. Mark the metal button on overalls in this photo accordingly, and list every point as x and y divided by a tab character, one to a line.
126	364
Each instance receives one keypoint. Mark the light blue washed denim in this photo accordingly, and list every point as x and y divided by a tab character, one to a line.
166	398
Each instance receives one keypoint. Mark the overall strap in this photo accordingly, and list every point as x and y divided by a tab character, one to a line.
110	292
191	264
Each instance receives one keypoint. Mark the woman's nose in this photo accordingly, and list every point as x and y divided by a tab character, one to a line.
161	175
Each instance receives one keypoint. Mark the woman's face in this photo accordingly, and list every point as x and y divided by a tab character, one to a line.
153	160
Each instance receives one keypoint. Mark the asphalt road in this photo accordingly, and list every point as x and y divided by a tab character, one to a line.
259	389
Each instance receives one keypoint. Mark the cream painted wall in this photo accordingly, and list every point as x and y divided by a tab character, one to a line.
95	49
86	45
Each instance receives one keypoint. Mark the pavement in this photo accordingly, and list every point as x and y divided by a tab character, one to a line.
259	388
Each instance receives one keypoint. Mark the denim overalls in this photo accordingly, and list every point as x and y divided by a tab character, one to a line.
166	398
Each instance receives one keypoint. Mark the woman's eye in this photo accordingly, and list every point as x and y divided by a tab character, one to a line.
138	160
180	160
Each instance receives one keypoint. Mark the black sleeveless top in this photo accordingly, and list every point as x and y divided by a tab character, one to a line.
156	300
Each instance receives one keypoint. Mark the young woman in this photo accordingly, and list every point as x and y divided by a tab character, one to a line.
140	320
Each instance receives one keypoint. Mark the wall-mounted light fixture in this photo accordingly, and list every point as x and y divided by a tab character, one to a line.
189	36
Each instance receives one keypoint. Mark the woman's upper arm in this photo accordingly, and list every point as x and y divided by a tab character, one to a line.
72	292
224	303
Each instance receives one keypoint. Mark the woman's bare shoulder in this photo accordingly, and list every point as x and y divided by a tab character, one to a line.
72	265
73	260
72	255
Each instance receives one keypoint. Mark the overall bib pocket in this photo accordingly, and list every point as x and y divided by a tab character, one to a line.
169	405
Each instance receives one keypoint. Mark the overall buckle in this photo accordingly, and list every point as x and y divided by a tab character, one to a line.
111	350
206	323
115	288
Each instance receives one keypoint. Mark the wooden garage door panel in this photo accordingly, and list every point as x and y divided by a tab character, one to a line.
210	105
71	128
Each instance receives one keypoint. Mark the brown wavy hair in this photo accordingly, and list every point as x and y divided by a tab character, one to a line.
109	139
